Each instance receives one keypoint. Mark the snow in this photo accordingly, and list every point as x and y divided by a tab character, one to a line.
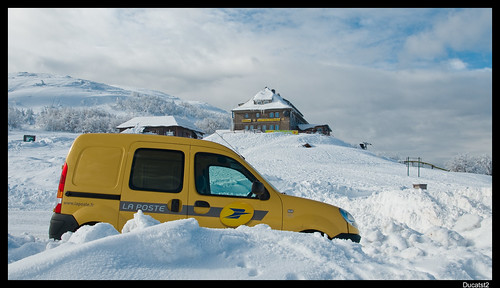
38	90
443	232
264	95
157	121
264	100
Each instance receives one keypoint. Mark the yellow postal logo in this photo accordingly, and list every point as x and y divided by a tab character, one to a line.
236	214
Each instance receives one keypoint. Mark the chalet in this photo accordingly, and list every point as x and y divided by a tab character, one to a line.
268	111
161	125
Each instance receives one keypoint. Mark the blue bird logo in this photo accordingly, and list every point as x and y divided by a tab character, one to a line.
236	213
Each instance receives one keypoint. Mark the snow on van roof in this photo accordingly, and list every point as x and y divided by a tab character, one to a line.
158	121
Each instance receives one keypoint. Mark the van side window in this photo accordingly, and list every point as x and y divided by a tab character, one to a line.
222	176
157	170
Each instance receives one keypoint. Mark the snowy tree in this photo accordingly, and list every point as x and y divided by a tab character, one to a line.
471	164
14	117
17	117
85	120
210	125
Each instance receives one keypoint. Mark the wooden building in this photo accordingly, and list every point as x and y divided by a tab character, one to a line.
268	111
161	125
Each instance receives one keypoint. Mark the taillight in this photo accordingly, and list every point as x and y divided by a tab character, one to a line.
60	189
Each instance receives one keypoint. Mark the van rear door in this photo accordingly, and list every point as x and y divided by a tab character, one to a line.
155	181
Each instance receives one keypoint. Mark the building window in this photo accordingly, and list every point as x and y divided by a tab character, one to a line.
271	115
246	115
271	127
277	114
263	128
277	127
257	115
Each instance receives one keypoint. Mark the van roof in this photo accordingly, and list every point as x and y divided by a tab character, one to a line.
127	139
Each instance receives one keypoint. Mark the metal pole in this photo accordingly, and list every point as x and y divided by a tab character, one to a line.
419	167
408	165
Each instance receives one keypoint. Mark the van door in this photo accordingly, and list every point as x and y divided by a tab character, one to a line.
220	193
155	182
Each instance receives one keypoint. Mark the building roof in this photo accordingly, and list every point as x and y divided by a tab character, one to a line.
159	121
264	100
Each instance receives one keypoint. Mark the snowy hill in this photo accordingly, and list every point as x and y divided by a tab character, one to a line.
38	91
443	232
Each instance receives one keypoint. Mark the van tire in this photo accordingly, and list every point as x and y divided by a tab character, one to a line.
60	224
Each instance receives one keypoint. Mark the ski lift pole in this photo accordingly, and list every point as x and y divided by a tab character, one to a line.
418	165
412	160
408	166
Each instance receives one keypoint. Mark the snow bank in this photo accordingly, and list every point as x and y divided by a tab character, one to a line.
183	250
443	232
140	221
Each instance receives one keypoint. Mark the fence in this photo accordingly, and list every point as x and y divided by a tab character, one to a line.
418	161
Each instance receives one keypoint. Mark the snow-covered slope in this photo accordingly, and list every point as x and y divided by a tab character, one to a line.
38	90
443	232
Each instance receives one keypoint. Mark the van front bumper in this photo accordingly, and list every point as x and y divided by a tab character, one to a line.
60	224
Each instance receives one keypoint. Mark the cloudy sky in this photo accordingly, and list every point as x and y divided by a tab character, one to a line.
413	82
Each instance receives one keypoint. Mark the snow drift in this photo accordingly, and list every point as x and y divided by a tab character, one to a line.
184	250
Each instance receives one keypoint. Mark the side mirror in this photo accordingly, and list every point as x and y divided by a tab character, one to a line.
259	190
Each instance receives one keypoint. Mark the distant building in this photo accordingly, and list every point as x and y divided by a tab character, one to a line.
269	111
161	125
314	128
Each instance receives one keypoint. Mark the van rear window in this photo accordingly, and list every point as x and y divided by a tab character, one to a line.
157	170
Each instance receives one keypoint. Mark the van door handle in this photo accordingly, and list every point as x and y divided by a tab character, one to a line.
175	205
201	203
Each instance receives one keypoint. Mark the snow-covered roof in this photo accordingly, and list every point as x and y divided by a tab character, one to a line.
159	121
264	95
264	100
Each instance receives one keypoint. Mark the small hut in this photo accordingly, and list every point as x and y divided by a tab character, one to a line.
161	125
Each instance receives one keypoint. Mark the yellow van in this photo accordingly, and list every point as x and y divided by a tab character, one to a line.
109	177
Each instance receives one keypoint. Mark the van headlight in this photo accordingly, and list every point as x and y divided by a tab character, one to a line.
348	217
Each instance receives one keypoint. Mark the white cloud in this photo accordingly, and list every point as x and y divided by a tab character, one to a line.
462	30
457	64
